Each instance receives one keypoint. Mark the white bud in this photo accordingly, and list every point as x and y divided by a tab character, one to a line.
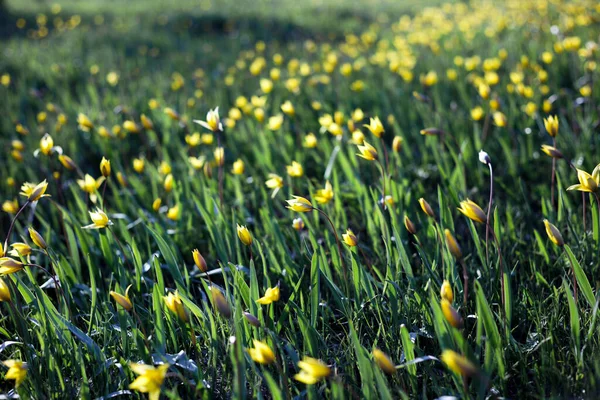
484	157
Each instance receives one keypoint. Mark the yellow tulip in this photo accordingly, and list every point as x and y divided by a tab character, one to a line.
551	125
452	244
375	127
410	227
554	234
458	364
238	167
384	362
4	291
349	238
288	109
299	204
451	315
470	209
426	207
199	260
46	144
213	122
150	379
587	183
174	303
17	371
446	291
123	300
271	296
312	371
9	266
295	170
261	353
20	249
105	167
552	151
244	235
367	152
99	220
324	196
34	192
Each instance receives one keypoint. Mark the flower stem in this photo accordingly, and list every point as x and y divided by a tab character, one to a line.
489	211
382	182
553	175
12	224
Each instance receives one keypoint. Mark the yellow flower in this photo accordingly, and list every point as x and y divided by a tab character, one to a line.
46	144
587	183
446	291
397	143
367	151
146	122
199	260
213	122
123	301
67	162
271	296
266	85
174	303
458	363
312	371
10	206
551	125
585	91
17	371
298	224
168	184
20	249
89	184
112	78
244	235
261	353
150	379
335	129
295	170
451	315
131	127
554	234
138	165
477	113
99	220
164	168
275	122
156	204
105	167
324	196
219	154
349	238
174	115
4	291
197	162
384	362
34	192
85	124
310	141
470	209
9	266
299	204
452	244
238	167
410	227
552	151
375	127
174	212
274	182
288	109
426	207
220	302
499	119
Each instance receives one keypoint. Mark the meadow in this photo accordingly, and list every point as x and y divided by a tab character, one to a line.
299	199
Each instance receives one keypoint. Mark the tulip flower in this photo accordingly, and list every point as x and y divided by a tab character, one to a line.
426	207
220	302
367	152
324	196
299	204
552	151
34	192
213	122
261	353
20	249
551	125
123	300
298	224
349	238
149	379
446	291
312	371
452	244
295	170
271	296
244	235
4	291
451	315
17	371
238	167
46	144
554	234
9	266
470	209
199	260
384	362
375	127
458	364
99	220
85	124
105	167
174	303
587	183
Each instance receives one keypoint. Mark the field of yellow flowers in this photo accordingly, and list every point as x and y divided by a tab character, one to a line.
299	199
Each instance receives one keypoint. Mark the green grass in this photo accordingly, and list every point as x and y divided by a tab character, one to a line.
334	306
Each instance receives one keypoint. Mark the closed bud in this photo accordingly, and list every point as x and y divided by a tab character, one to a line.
397	143
446	291
452	244
252	320
105	167
554	234
451	315
199	260
37	238
426	208
410	227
